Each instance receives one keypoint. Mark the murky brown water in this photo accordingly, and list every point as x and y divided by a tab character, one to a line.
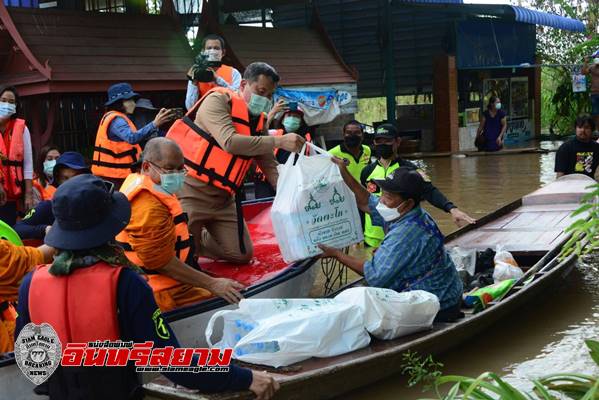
544	338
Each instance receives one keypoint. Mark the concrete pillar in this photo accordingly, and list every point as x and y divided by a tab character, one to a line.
445	104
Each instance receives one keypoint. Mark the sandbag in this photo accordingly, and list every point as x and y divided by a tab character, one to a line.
313	205
389	314
280	332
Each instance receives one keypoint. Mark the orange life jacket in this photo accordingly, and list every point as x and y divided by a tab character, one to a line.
224	71
113	159
12	154
77	313
204	157
46	193
133	185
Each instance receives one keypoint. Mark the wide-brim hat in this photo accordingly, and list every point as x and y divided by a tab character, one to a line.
120	91
88	213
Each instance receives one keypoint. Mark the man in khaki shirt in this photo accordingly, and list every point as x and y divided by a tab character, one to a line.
212	211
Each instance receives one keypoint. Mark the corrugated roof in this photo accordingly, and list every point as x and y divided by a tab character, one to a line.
541	18
85	46
300	55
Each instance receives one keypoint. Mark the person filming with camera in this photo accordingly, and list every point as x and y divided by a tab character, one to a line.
209	72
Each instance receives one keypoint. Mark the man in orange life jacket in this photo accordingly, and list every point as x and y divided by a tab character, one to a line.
117	148
218	147
91	292
157	238
213	47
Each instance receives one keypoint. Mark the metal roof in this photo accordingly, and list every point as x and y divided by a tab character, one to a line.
541	18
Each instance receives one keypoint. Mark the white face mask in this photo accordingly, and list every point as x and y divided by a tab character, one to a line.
7	109
388	214
596	60
213	54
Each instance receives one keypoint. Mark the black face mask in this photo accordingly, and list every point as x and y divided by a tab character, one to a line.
383	150
352	141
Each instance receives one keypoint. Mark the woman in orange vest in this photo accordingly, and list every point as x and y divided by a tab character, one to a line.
213	46
16	160
44	169
292	120
117	142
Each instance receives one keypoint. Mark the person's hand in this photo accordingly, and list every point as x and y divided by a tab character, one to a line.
291	142
341	162
2	196
460	218
263	385
48	253
328	251
164	116
28	201
228	289
48	229
280	106
499	141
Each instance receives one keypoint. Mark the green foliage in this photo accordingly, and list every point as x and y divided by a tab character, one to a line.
585	230
420	371
489	386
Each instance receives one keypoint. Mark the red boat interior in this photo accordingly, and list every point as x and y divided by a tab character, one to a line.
267	261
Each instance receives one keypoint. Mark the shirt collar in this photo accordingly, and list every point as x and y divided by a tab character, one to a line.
347	151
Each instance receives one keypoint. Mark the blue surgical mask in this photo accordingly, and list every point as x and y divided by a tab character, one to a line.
498	106
49	167
259	104
7	109
292	124
172	183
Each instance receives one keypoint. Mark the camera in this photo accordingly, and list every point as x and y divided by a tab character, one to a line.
199	69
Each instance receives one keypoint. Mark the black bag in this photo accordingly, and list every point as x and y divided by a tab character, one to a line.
480	141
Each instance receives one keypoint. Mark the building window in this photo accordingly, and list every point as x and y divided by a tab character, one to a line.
117	6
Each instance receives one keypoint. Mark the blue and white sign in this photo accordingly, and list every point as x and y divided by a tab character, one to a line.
321	100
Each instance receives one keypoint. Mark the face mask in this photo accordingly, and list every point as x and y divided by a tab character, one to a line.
213	54
129	106
388	214
7	109
259	104
291	124
498	106
172	183
49	167
352	141
383	150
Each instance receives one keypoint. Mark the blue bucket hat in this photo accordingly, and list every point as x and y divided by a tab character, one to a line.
120	91
73	160
88	213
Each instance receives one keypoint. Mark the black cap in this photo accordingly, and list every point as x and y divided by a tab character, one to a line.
405	182
88	213
386	131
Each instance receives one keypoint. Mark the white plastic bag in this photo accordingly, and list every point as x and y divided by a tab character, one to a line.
313	205
463	259
506	266
279	332
389	314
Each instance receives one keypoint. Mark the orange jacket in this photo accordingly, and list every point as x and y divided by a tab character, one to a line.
66	302
204	157
12	154
46	193
113	159
132	186
224	71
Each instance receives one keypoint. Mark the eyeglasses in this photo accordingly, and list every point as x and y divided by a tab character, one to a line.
170	171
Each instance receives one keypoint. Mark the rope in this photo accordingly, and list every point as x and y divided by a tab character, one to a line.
335	273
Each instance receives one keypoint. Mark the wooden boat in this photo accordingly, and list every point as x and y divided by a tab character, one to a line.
268	276
532	228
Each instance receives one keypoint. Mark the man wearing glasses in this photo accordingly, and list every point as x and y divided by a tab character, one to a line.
157	238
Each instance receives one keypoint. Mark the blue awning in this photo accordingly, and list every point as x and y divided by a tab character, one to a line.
541	18
519	14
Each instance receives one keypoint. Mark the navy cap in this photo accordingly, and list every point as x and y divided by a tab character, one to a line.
403	181
120	91
386	131
88	213
70	159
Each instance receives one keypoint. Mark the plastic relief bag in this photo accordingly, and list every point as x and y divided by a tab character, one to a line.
389	314
313	205
280	332
464	259
506	266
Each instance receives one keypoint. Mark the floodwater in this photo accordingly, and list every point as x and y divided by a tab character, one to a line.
547	337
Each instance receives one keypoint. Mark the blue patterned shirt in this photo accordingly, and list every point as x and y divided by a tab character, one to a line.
412	257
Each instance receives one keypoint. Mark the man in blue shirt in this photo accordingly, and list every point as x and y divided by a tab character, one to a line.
412	255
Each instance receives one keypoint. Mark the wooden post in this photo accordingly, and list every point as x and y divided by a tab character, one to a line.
445	104
537	97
